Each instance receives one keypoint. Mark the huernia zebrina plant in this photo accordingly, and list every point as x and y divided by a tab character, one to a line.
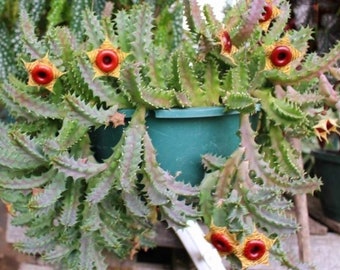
76	209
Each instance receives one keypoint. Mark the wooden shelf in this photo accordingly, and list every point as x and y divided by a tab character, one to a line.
315	211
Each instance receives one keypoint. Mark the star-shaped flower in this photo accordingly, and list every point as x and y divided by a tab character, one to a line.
280	54
117	119
106	59
42	73
227	47
224	241
325	127
254	250
270	13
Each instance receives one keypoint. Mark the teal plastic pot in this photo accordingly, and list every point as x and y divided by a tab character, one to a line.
327	166
182	136
104	138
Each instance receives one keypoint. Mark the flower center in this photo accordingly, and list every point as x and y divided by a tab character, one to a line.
267	14
254	249
221	242
107	60
226	42
281	56
42	74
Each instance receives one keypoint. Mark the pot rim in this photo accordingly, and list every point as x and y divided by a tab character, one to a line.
194	112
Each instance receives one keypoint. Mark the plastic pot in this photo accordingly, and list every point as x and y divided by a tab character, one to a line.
327	166
103	139
182	136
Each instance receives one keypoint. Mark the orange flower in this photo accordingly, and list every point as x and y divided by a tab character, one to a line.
117	119
280	55
43	73
9	208
254	250
222	240
106	59
270	13
325	127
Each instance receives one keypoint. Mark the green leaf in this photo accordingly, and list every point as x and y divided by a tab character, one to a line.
37	245
29	146
16	157
33	181
142	20
160	179
189	83
287	157
57	254
156	197
273	221
32	45
32	105
281	111
57	12
249	21
131	155
71	201
262	169
277	26
77	7
77	169
91	218
173	217
135	204
212	162
111	236
50	193
90	254
88	114
207	201
124	29
99	88
193	16
134	87
70	133
240	101
92	27
211	84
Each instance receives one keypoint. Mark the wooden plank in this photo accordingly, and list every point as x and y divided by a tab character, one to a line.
27	266
166	237
302	216
303	234
203	255
315	210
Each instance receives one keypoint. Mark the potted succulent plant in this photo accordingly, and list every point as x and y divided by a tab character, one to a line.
322	151
326	165
75	207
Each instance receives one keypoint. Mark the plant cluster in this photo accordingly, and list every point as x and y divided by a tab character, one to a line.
70	81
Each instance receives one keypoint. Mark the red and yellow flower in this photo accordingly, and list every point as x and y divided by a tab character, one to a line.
42	73
270	13
106	60
254	250
227	47
325	127
280	55
224	241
